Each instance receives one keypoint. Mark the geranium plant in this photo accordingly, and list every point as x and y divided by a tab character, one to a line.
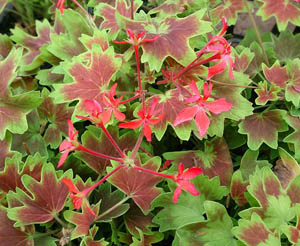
131	122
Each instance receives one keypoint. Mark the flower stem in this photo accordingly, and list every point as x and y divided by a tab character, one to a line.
91	21
146	152
88	190
153	172
137	145
257	32
82	148
129	99
113	207
113	142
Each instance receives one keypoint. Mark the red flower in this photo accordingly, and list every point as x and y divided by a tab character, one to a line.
220	47
97	115
182	180
146	120
112	104
198	111
61	5
77	196
136	40
68	145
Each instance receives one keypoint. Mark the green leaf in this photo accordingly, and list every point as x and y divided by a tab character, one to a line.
292	93
215	231
215	160
89	240
146	240
294	137
46	240
255	232
173	33
5	150
275	206
46	199
292	232
263	128
243	59
13	236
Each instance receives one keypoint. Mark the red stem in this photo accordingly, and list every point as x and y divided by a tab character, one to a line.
129	99
82	148
136	49
103	179
146	152
153	172
113	142
137	145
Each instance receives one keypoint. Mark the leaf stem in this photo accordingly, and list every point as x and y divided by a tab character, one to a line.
113	142
113	207
114	234
39	235
129	99
257	32
62	223
82	148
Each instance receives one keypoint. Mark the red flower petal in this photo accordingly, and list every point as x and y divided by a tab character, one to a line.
63	158
192	173
216	69
176	194
218	106
147	132
65	145
68	182
202	122
119	115
131	124
186	115
189	187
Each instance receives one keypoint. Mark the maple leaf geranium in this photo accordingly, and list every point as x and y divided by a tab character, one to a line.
146	119
200	109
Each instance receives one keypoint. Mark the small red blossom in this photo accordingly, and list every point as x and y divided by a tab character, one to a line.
183	181
61	5
199	110
136	40
68	145
77	196
219	46
146	119
97	115
112	104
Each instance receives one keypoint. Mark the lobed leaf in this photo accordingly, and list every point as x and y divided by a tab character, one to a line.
294	137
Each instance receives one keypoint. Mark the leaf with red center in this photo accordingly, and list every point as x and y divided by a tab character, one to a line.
294	137
171	7
275	206
215	230
171	103
46	199
293	232
189	208
89	240
15	169
67	45
238	187
81	220
286	168
57	115
243	60
146	240
265	94
30	141
283	11
173	40
90	81
96	140
286	39
255	66
14	236
255	232
263	128
5	46
5	150
228	9
214	161
276	74
108	13
140	186
241	107
108	200
98	38
35	45
13	109
135	220
292	93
